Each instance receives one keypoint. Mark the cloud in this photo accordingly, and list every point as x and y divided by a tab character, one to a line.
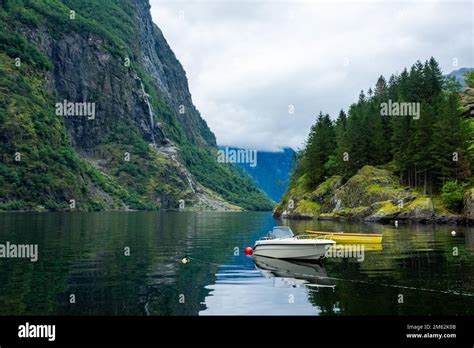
248	61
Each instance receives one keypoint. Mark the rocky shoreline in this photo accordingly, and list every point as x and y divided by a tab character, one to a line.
372	195
449	220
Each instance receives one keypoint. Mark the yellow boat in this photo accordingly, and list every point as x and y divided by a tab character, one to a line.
353	238
367	247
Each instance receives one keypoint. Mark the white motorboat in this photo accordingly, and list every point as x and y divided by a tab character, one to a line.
281	243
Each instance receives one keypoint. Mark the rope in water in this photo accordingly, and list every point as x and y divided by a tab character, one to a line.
449	292
188	259
202	261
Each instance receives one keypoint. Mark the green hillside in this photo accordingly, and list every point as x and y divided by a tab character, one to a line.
77	50
416	128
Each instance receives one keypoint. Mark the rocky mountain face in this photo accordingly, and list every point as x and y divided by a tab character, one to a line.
162	66
84	71
145	146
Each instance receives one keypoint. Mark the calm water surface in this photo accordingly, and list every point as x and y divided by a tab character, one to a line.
84	254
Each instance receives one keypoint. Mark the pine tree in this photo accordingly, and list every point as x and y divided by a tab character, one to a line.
379	150
355	139
422	139
449	141
320	147
433	79
341	153
382	94
381	87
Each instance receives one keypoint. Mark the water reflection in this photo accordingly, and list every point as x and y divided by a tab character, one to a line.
469	235
294	272
83	254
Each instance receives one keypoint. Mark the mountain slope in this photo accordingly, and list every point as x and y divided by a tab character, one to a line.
271	172
459	75
146	145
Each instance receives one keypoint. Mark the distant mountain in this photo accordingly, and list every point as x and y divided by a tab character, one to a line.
459	75
271	171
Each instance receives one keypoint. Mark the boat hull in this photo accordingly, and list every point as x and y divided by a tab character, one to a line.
292	249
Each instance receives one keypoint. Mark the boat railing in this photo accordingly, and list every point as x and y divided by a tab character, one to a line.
270	238
301	236
312	236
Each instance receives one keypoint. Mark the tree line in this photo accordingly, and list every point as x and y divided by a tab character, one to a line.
426	149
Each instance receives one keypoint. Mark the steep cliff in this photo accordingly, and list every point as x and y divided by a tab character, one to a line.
145	145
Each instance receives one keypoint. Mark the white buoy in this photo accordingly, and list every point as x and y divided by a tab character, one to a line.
185	261
396	223
453	233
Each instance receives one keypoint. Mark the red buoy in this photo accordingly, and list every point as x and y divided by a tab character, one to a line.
248	251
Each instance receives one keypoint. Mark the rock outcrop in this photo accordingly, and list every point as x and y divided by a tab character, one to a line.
373	194
469	204
467	100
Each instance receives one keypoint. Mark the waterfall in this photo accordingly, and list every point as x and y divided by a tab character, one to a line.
169	150
338	204
150	112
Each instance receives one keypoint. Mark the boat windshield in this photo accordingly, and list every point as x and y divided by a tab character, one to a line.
280	232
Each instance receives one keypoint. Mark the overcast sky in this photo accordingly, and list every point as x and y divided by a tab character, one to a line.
248	61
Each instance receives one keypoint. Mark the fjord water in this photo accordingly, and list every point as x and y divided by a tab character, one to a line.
84	254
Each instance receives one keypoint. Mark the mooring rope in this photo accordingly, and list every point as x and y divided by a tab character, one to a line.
450	292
